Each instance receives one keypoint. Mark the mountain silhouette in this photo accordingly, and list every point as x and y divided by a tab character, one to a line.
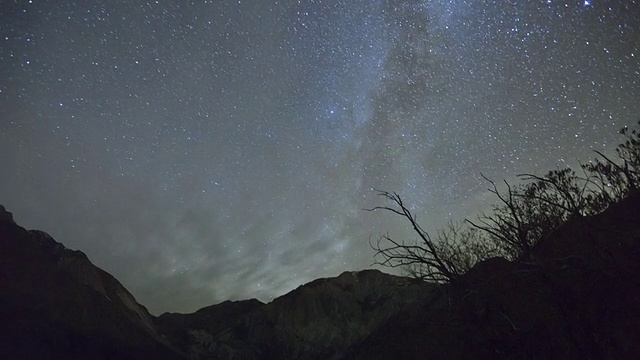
54	303
578	300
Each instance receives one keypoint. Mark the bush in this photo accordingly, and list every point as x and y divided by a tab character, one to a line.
525	214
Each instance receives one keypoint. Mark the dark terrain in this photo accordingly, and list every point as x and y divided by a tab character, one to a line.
579	298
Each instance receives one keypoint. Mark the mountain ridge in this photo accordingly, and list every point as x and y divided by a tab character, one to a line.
578	300
61	291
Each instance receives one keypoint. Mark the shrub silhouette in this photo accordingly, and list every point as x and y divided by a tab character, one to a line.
524	215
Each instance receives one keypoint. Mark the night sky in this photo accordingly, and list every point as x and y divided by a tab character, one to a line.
209	150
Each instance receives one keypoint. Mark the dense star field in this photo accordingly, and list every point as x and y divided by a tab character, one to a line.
210	150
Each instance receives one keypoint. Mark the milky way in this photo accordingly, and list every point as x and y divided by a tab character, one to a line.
210	150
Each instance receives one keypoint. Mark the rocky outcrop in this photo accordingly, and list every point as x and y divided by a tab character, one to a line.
195	332
56	304
5	216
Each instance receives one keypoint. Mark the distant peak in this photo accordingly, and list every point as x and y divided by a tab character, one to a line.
5	216
365	272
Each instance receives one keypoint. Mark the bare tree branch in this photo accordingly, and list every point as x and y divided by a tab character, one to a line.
426	252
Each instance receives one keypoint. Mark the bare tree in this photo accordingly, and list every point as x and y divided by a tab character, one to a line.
560	188
464	246
424	254
517	223
525	215
534	209
443	258
617	180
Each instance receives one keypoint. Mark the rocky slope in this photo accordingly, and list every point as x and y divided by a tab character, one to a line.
54	303
319	320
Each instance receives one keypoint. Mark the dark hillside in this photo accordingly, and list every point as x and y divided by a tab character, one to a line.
54	303
579	299
318	320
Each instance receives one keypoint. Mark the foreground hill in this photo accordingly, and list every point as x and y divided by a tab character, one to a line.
579	298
